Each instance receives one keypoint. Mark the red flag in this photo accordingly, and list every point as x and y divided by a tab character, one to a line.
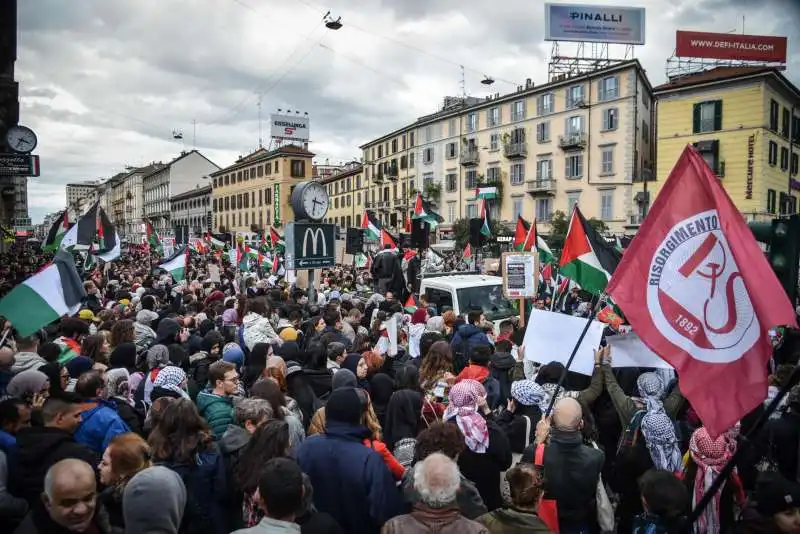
386	239
407	225
610	317
696	287
547	272
468	252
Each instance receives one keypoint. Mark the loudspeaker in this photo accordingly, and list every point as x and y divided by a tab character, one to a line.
476	238
355	241
420	235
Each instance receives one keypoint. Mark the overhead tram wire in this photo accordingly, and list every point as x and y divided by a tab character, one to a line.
366	66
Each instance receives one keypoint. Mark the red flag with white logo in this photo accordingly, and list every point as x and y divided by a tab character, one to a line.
696	287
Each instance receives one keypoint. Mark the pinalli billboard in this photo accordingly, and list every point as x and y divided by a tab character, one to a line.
600	24
730	46
289	127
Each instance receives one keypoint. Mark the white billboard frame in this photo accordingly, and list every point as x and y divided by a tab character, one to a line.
289	127
593	31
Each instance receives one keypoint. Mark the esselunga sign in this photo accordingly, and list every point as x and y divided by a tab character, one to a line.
590	23
290	127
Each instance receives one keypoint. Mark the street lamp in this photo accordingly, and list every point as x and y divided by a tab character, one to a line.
331	23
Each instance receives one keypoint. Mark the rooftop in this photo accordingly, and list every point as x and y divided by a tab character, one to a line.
263	154
193	193
725	74
183	154
344	173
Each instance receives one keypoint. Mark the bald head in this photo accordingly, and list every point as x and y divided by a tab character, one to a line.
70	471
567	414
70	494
6	357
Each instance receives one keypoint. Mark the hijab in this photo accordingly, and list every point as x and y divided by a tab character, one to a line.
53	372
381	389
351	364
27	384
277	362
657	428
124	355
157	357
118	385
463	405
171	378
402	417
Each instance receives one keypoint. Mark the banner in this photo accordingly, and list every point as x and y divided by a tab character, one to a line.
289	127
598	24
730	46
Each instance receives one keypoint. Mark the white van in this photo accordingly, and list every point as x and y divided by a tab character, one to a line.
463	292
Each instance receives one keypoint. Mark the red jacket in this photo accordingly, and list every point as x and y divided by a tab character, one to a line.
391	462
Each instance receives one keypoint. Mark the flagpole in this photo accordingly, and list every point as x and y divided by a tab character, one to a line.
726	471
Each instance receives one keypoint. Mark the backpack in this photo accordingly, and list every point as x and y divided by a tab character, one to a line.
205	483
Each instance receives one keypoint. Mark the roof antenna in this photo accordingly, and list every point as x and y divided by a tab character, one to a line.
463	83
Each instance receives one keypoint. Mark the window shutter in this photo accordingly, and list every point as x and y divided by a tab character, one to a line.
718	115
696	119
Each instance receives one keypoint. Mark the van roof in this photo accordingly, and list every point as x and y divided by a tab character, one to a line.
461	281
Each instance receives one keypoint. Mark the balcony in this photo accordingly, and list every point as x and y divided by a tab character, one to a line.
470	158
573	141
546	186
400	203
515	150
392	173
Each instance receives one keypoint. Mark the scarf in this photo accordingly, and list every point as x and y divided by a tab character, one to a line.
464	406
710	456
657	427
118	385
26	384
171	378
278	363
529	393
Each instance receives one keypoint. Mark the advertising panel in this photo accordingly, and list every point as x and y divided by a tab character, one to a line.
289	127
730	46
276	204
520	274
599	24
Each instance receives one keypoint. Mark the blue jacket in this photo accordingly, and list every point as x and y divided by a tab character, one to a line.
99	425
470	335
351	482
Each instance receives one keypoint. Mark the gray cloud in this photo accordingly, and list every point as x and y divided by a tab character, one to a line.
105	83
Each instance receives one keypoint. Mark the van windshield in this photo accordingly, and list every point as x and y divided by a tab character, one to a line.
490	299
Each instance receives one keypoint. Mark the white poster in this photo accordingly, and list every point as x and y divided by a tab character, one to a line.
232	256
213	273
628	351
550	337
520	275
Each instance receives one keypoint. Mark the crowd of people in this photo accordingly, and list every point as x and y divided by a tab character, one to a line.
243	405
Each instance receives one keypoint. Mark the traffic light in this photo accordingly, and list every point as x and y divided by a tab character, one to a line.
784	253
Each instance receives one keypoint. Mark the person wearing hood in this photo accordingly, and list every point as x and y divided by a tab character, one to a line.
478	369
467	337
27	357
118	392
144	334
154	488
28	386
357	364
256	327
200	362
216	405
157	358
524	410
419	320
505	368
171	382
100	422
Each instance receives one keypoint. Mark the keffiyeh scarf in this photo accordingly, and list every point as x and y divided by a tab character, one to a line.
529	393
710	456
464	406
171	378
657	428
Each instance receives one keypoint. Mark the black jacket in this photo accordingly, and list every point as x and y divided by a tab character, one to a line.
38	448
515	425
129	415
320	381
780	441
484	469
38	521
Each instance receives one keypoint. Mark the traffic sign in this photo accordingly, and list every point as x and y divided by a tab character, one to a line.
310	245
19	165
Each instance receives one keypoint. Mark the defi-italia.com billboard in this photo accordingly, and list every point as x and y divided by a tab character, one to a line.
765	48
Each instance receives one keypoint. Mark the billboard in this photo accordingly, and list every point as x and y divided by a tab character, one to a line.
600	24
730	46
290	127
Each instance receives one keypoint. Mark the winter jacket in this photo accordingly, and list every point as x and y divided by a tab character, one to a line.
415	332
144	337
503	365
216	410
258	329
513	521
26	361
514	425
231	445
338	335
38	448
426	520
271	526
780	442
12	509
199	363
128	414
467	337
485	469
100	423
469	501
351	482
391	462
38	521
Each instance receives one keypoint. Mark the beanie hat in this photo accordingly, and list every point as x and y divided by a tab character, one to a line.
288	334
155	488
292	367
344	378
233	353
776	494
346	405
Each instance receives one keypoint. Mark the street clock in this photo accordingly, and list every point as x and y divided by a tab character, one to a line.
310	201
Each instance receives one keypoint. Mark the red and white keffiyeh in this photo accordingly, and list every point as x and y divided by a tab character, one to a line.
464	398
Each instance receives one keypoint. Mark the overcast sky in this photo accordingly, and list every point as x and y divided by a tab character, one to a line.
105	82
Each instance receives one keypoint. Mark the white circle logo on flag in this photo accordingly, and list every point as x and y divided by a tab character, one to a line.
696	294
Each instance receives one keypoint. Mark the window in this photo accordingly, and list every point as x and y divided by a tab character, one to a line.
545	104
608	88
796	129
709	150
403	165
574	125
427	180
517	174
411	158
411	140
794	164
785	123
451	182
543	132
574	166
606	205
268	168
452	128
774	111
239	176
707	116
247	174
450	150
610	119
380	151
472	211
276	167
492	175
404	142
518	110
429	134
574	96
427	156
336	202
472	122
260	197
773	153
516	209
358	198
607	160
394	146
451	212
572	199
494	141
544	169
471	179
493	116
784	158
544	209
349	200
246	219
771	201
260	171
645	133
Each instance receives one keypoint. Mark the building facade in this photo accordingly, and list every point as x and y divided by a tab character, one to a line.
586	139
347	196
254	192
190	213
180	175
745	121
78	191
323	171
133	229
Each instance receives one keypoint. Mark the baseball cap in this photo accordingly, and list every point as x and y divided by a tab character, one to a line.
88	315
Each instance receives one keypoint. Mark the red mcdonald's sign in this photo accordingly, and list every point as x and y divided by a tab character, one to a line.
730	46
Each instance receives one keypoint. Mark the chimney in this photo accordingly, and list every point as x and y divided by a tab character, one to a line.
528	83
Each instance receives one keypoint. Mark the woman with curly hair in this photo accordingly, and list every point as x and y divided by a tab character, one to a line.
126	455
122	332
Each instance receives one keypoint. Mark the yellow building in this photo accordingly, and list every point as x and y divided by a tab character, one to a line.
584	139
741	120
254	192
347	196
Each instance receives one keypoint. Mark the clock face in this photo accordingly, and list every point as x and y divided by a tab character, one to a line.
21	139
315	201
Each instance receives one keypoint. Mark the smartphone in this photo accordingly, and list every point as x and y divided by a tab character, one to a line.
439	389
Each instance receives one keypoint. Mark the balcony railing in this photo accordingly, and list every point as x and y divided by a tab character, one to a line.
470	157
515	150
542	187
572	141
392	173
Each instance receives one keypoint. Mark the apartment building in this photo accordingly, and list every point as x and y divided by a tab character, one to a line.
745	121
347	196
133	204
190	213
180	175
77	191
585	139
254	192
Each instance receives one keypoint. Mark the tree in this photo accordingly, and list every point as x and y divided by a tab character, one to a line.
461	231
599	226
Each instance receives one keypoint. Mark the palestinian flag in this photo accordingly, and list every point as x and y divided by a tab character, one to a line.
177	263
545	254
423	210
214	242
587	259
152	238
407	225
371	227
547	272
387	239
83	233
524	236
89	261
410	305
60	227
486	193
109	246
276	238
360	261
242	257
45	297
486	230
468	253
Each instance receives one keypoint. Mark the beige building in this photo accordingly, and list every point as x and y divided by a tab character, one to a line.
585	139
78	191
347	196
254	192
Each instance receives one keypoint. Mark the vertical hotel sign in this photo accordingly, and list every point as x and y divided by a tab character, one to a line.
276	204
751	147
